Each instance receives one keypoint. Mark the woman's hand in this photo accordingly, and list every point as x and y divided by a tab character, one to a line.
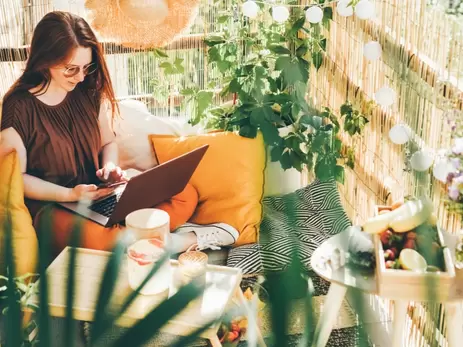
111	173
87	192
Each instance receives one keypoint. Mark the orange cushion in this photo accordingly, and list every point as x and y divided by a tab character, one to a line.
229	179
25	245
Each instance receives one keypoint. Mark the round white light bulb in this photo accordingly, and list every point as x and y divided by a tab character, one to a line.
344	9
441	170
385	96
250	9
399	134
421	161
365	9
372	50
314	14
280	14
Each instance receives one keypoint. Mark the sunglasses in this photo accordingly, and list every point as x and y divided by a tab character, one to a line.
71	71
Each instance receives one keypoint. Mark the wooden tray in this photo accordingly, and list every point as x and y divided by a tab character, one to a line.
397	283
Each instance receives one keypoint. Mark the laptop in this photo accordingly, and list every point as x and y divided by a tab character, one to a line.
145	190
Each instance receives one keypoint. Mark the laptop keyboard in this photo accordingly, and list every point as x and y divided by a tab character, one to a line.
106	206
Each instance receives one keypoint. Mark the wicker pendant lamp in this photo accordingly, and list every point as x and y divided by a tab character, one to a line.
141	23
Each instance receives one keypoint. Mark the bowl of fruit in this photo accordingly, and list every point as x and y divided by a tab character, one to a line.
231	333
410	250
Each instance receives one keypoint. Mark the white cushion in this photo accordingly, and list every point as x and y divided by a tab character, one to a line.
134	126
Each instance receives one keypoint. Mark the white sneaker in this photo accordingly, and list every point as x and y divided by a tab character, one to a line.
211	236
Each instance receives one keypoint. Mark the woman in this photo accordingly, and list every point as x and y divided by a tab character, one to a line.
58	117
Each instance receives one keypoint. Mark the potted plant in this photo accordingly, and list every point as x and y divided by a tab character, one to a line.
265	67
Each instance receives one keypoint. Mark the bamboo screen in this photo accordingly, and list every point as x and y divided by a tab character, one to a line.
423	62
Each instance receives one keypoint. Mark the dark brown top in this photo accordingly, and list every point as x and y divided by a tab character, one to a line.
62	141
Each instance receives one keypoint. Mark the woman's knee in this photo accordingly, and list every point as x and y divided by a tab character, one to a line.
61	222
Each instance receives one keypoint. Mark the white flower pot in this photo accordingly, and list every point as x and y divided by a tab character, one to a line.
279	181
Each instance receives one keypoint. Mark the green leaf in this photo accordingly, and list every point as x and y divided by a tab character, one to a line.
270	115
139	333
223	65
317	59
13	319
285	160
275	153
44	260
300	89
223	19
322	44
75	242
307	337
298	24
214	40
178	65
327	16
297	161
133	295
295	111
214	54
319	141
160	53
107	286
249	131
187	92
168	68
337	145
278	49
282	63
235	86
272	84
203	101
270	133
302	50
257	117
324	168
346	108
339	174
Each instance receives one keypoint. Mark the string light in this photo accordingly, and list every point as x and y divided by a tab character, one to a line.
442	169
421	160
250	9
344	9
385	96
399	134
365	9
280	14
314	14
372	50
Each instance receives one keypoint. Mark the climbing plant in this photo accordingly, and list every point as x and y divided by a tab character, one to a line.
265	67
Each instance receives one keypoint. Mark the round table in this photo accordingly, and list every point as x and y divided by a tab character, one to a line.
344	277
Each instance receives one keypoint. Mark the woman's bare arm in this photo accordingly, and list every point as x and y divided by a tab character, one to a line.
34	188
110	153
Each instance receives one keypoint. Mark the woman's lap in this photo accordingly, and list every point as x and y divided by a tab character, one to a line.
95	236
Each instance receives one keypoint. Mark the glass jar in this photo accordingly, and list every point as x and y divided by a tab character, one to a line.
142	256
149	223
192	265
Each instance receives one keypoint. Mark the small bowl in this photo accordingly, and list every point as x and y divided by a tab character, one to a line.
222	337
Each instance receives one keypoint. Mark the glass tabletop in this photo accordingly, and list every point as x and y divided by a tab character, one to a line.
343	275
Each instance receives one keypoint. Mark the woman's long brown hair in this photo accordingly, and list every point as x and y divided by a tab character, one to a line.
54	39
